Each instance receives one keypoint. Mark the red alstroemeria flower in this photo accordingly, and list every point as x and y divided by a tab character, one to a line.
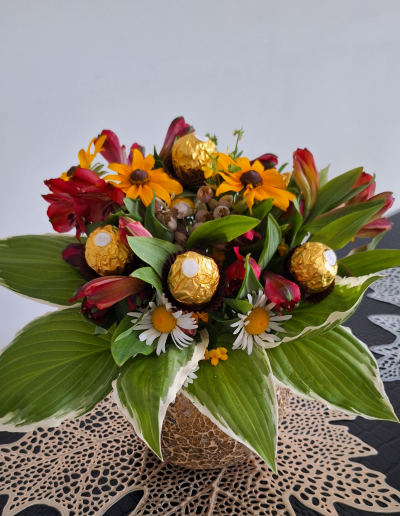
306	175
284	293
114	152
130	227
268	161
74	255
84	198
106	291
375	228
236	272
246	239
177	129
366	194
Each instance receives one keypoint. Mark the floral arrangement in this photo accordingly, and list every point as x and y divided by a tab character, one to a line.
198	272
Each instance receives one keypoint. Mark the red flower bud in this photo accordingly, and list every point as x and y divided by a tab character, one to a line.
236	272
130	227
306	175
374	228
267	161
284	293
177	129
105	292
366	194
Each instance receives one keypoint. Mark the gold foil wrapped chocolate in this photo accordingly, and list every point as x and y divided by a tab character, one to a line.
106	253
189	155
193	278
313	265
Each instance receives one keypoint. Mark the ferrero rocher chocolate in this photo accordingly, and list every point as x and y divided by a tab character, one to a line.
193	278
313	266
189	155
106	253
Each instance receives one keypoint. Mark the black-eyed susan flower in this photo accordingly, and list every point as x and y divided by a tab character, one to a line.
256	325
255	182
161	321
139	180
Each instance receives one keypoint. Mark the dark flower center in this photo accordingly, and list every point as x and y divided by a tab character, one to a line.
139	177
252	178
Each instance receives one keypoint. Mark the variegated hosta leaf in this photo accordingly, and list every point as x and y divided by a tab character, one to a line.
32	265
149	383
335	368
56	368
308	320
238	395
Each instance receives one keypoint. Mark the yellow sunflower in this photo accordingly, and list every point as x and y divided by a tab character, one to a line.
256	182
139	180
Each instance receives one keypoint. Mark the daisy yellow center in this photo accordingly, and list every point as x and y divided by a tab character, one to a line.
258	321
139	177
163	320
252	177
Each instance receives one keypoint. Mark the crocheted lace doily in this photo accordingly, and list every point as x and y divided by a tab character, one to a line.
387	289
84	466
389	363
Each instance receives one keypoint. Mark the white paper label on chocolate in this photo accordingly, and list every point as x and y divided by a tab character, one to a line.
330	257
190	268
102	239
203	139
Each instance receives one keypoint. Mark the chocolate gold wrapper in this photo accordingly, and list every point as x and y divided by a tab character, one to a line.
106	253
193	278
313	266
189	155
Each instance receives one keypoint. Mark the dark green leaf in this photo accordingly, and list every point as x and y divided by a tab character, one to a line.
369	262
135	208
250	283
125	342
55	369
238	396
149	275
220	231
32	265
153	251
148	384
238	305
335	368
339	232
272	240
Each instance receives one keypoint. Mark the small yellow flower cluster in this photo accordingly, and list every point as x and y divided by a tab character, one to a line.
216	355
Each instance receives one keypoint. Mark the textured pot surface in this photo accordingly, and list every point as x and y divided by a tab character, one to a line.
189	439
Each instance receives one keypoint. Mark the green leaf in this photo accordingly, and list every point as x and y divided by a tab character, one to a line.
32	265
153	251
261	210
334	191
323	176
148	384
320	222
369	247
135	208
241	306
339	232
272	240
336	369
307	320
238	396
250	283
55	369
149	275
126	343
369	262
153	225
296	222
220	231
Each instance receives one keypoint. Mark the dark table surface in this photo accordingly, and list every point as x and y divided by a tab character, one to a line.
384	436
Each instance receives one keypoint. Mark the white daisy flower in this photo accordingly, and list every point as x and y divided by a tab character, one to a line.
191	376
160	321
256	325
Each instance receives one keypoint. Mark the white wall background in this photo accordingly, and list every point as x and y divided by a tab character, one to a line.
293	73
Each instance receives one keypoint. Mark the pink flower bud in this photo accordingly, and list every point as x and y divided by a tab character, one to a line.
375	228
236	272
267	161
284	293
366	194
177	129
306	175
130	227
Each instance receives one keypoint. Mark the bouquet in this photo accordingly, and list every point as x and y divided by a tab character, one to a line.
198	272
